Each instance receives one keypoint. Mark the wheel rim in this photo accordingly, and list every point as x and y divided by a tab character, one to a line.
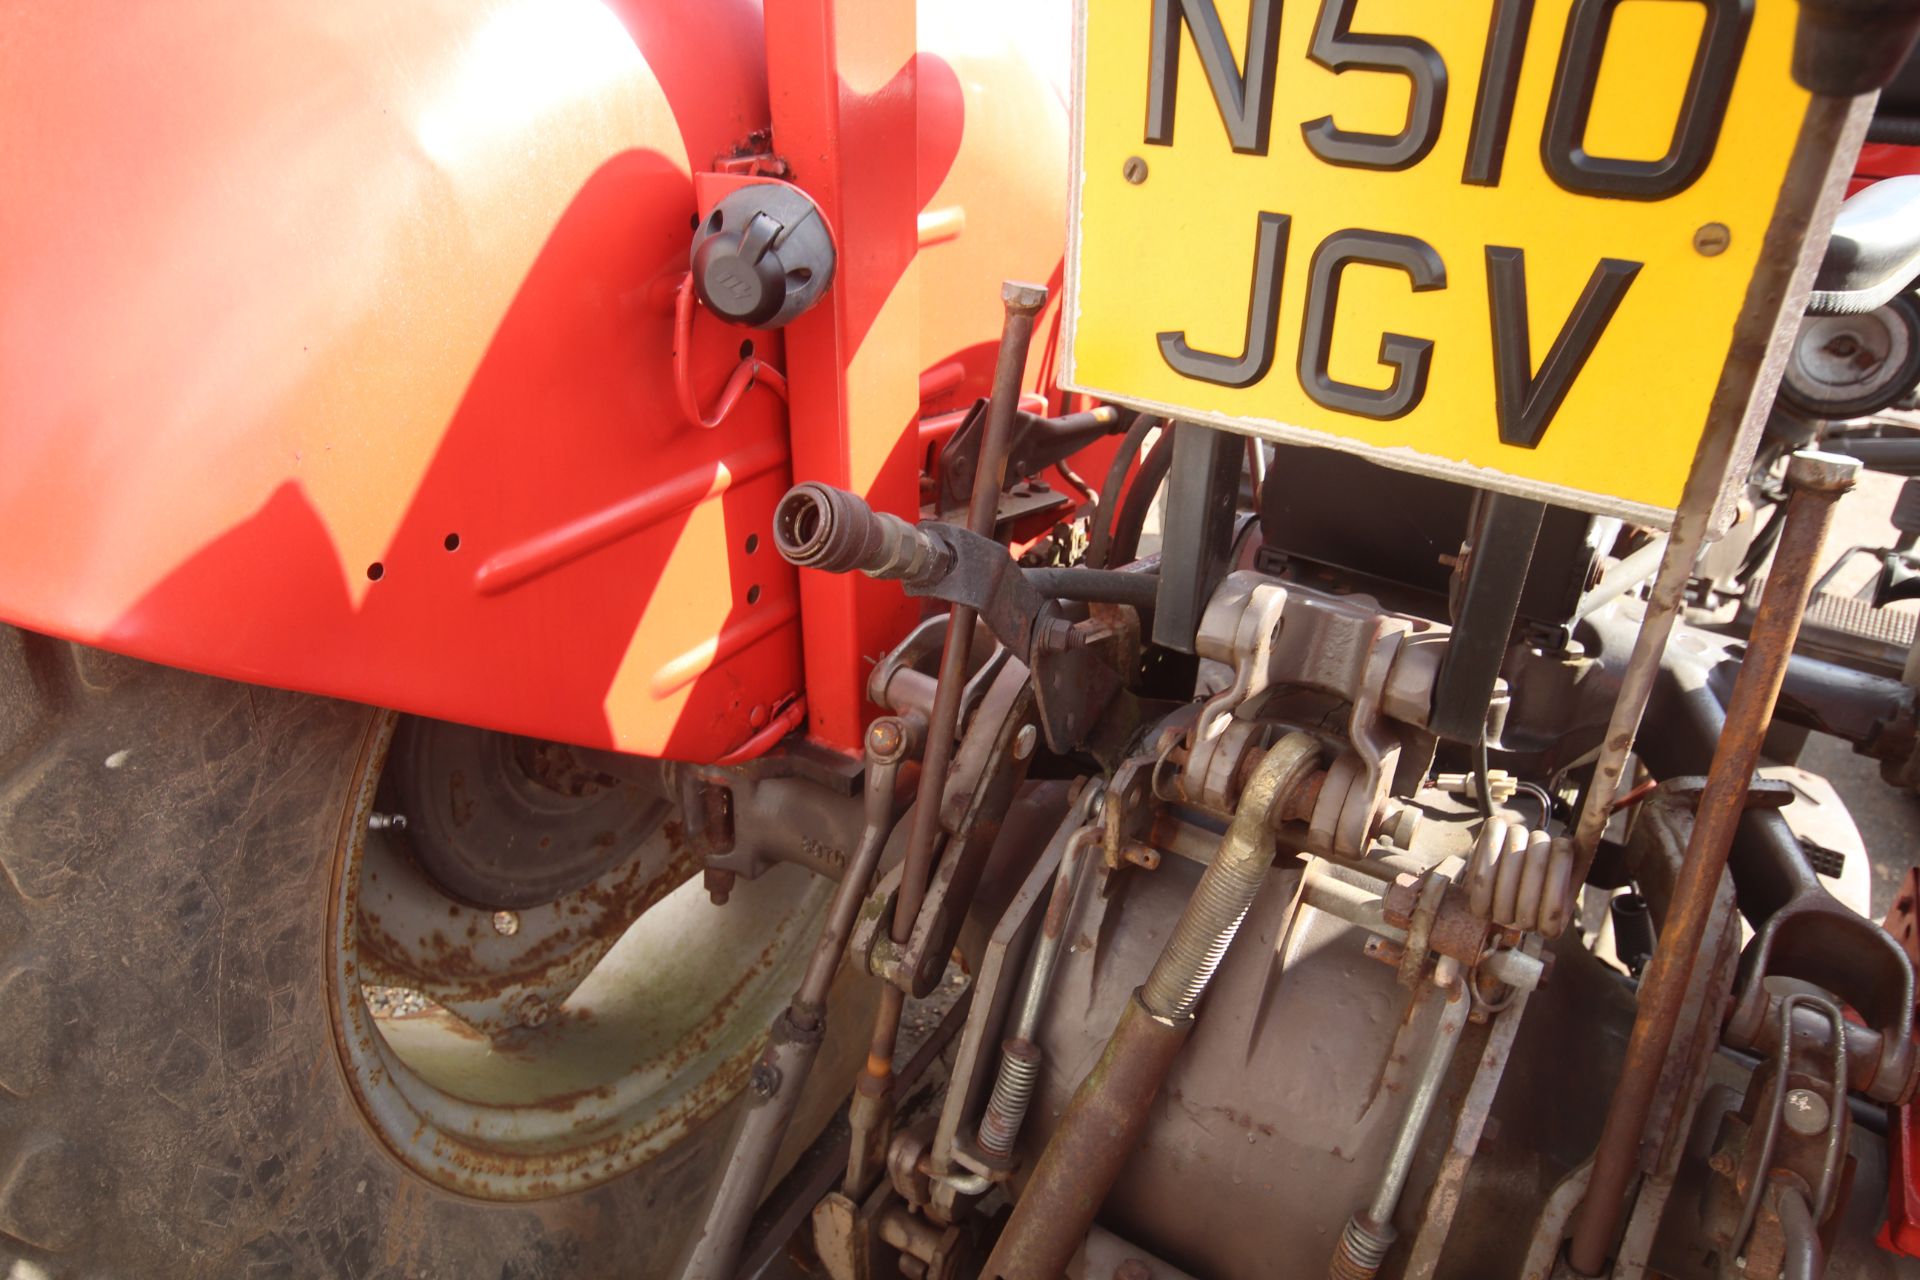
1841	362
659	1034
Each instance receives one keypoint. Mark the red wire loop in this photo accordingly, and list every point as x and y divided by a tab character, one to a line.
749	373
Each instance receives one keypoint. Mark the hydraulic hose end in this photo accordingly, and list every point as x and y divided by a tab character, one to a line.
817	526
810	526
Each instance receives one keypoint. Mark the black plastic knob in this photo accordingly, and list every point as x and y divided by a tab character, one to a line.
740	277
762	256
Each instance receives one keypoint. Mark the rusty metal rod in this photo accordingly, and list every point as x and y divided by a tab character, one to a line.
1636	685
1817	481
1370	1232
871	1103
890	741
871	1109
1096	1136
780	1074
1101	1126
1020	1056
1023	303
1823	154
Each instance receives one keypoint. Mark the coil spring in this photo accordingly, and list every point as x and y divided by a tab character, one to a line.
1520	878
1361	1250
1012	1094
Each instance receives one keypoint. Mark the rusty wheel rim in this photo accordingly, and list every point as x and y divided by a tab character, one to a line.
656	1038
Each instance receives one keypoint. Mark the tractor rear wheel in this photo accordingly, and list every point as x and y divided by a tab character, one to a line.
181	1093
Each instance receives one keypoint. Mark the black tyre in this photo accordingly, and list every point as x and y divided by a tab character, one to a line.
173	1097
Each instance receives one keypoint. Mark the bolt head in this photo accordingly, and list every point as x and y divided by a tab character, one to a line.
765	1079
1134	170
1806	1112
1819	472
1024	741
884	736
1023	298
1712	239
530	1010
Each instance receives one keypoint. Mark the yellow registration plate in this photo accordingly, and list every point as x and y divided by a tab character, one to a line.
1504	241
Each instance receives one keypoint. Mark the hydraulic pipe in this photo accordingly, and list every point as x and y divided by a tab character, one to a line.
782	1070
1101	1126
1817	481
817	526
1803	1258
1636	685
1123	460
1097	586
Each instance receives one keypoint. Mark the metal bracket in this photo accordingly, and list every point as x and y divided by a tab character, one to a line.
987	771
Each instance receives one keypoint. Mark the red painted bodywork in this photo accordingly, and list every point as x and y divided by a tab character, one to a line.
337	342
1882	160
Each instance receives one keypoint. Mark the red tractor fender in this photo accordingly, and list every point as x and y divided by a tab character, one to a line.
337	345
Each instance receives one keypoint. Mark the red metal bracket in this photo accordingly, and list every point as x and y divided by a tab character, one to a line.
844	96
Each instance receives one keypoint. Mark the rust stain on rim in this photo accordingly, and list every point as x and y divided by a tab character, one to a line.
463	1162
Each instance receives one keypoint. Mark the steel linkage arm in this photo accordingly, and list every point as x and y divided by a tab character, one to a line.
1101	1127
1817	482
